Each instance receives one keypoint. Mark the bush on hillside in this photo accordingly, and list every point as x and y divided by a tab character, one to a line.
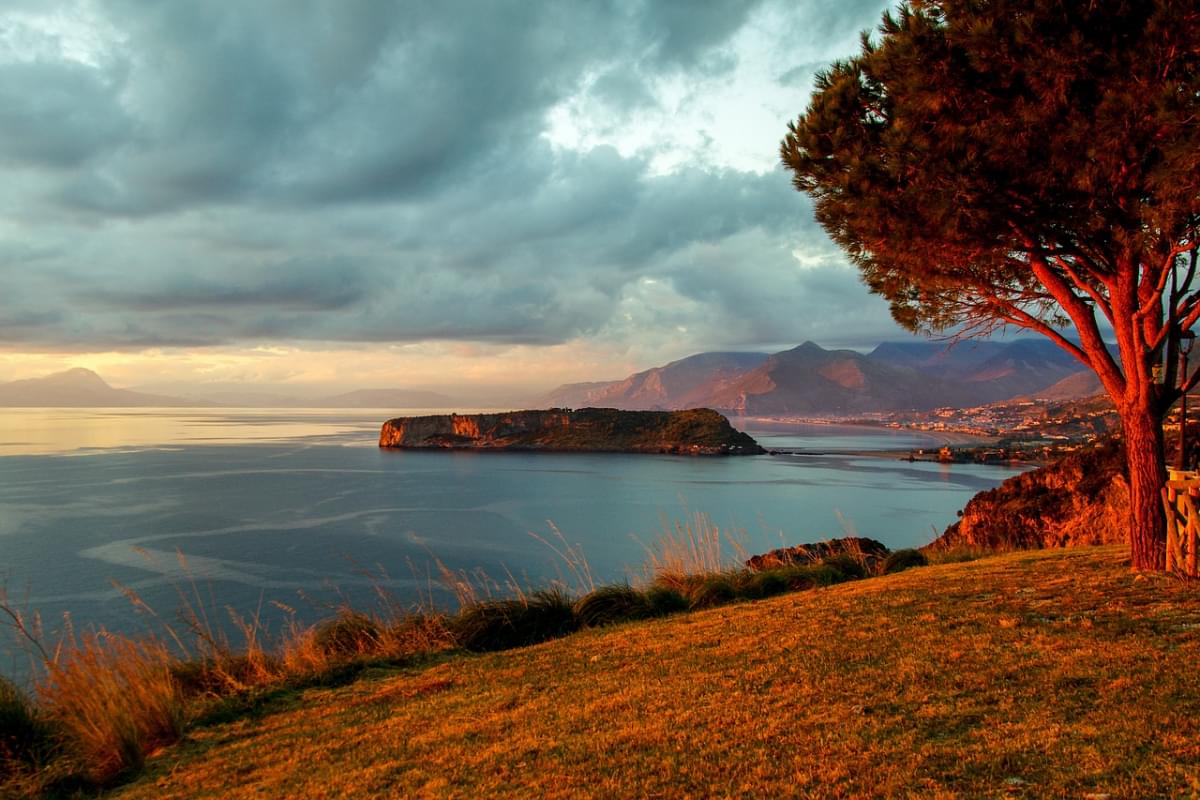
664	600
610	604
349	633
504	624
24	739
901	560
769	583
713	590
847	565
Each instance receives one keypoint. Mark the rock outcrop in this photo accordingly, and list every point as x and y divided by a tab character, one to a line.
695	432
868	551
1080	500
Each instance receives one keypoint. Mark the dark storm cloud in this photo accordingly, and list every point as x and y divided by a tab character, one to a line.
359	171
300	283
57	115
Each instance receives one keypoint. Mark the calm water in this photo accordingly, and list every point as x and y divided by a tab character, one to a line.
292	506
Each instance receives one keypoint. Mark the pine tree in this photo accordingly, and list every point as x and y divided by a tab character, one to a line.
1027	163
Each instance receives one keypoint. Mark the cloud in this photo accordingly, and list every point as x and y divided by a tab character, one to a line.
57	115
228	173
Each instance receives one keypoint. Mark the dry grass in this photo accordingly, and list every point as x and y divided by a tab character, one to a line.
693	547
115	699
103	701
108	700
1049	674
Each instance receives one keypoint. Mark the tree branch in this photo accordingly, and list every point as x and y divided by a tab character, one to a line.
1097	298
1098	357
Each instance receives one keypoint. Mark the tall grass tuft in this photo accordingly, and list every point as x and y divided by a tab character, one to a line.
664	600
903	559
847	564
692	547
767	583
611	604
25	739
349	633
115	699
712	590
503	624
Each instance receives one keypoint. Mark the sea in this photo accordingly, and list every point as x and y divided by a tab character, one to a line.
125	519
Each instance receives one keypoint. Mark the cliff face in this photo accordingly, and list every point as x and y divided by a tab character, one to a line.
1082	499
698	431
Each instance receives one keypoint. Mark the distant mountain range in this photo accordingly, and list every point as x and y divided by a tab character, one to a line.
82	388
79	388
895	376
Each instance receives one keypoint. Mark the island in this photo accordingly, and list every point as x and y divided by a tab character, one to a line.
698	431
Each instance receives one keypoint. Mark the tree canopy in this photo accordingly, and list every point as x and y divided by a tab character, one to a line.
1030	163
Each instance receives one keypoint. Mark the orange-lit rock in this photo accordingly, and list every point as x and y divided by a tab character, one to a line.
695	432
1082	499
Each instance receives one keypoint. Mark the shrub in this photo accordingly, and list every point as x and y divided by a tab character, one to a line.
765	584
350	633
664	600
503	624
809	576
610	604
415	634
224	674
902	560
24	738
714	590
846	564
957	554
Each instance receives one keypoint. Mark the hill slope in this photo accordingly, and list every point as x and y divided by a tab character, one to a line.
810	379
1048	674
686	383
895	376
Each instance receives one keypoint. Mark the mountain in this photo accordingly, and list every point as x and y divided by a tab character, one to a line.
82	388
685	383
78	388
807	379
1024	366
937	359
1083	383
996	370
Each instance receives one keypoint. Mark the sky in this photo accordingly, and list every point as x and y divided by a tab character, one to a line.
465	196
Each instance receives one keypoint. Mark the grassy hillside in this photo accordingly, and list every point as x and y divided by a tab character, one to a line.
1046	674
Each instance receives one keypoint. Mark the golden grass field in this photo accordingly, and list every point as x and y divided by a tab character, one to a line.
1044	674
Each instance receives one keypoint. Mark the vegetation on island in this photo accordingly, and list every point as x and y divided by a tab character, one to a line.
1030	165
699	431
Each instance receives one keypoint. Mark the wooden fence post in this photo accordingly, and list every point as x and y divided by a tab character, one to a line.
1193	524
1172	534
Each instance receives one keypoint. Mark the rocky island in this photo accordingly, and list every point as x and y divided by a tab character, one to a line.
699	431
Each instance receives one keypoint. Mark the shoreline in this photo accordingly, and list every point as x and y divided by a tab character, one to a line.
938	437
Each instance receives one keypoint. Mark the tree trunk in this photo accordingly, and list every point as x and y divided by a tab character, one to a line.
1141	429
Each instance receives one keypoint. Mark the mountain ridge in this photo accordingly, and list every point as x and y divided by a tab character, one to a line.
894	376
79	387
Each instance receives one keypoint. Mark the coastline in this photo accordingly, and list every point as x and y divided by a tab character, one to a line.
937	438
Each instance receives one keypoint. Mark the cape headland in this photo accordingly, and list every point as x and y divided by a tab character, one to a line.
698	431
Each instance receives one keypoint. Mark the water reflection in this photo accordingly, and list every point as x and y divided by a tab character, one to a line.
41	431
